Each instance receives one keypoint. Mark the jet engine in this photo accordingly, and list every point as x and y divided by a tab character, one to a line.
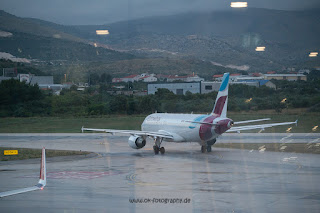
136	142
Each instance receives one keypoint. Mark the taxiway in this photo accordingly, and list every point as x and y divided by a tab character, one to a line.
225	180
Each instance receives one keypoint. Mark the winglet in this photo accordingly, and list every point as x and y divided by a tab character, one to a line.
42	182
296	122
82	129
43	169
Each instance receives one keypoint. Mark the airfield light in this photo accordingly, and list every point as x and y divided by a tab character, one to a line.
260	49
95	44
283	148
102	32
262	149
313	54
239	4
314	128
248	100
284	100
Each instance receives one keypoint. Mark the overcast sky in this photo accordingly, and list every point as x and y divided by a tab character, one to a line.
71	12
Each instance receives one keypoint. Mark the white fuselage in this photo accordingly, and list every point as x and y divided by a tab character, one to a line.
180	126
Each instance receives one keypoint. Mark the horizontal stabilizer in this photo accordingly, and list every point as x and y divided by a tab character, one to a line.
250	121
262	126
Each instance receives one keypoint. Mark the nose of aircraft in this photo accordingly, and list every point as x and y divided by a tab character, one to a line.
223	125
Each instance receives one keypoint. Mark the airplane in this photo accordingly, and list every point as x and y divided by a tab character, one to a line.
180	128
42	181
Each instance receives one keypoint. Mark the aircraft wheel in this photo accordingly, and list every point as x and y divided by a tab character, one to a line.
162	150
210	143
203	149
209	149
156	150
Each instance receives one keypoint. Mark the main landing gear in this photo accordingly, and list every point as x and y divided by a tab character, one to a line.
157	146
208	147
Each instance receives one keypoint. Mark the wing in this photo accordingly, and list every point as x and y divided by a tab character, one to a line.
250	121
18	191
161	134
42	182
199	122
261	126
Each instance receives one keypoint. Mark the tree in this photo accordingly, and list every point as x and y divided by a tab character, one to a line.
105	78
18	96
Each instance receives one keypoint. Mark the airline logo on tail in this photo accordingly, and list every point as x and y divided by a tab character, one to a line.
220	107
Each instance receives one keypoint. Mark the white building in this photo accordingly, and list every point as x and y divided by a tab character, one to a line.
176	88
288	77
149	79
132	78
188	78
194	78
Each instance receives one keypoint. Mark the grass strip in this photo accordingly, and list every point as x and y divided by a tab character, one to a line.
24	153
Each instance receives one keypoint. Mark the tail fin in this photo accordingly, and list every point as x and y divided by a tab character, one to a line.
220	107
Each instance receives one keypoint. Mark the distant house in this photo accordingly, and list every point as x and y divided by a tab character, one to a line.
271	72
255	74
131	78
303	71
171	78
149	79
216	77
188	78
232	77
194	78
116	80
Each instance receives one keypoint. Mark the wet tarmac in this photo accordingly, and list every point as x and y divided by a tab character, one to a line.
121	179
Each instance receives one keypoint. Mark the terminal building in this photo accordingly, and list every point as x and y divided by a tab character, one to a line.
202	87
44	82
176	88
288	77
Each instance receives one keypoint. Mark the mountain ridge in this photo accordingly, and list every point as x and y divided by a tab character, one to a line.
226	38
287	35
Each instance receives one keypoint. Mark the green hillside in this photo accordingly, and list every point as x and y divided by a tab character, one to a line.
13	23
46	48
34	39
